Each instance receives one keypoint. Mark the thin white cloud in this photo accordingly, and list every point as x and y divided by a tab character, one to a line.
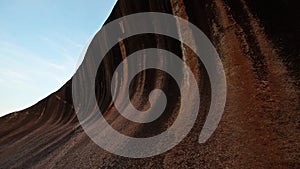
58	66
15	74
69	41
55	45
14	53
21	66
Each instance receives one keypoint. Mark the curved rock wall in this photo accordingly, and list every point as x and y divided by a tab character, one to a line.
260	126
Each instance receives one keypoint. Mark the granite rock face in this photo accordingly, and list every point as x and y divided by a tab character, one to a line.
258	42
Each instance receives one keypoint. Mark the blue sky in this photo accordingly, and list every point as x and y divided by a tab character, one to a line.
41	42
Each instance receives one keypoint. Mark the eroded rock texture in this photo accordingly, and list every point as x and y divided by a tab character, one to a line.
258	42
